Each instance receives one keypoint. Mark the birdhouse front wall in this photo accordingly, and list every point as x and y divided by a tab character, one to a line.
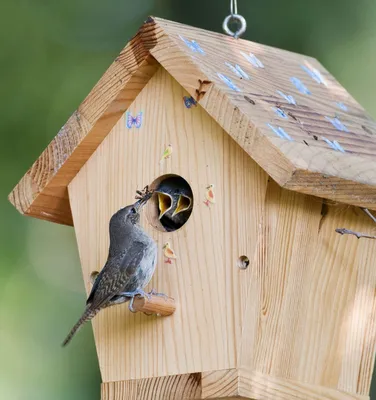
302	314
209	288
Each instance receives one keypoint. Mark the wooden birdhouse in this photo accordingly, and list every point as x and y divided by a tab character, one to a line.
274	155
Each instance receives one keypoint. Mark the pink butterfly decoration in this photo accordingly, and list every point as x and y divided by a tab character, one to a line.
134	121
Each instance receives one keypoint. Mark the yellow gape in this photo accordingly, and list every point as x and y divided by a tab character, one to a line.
164	203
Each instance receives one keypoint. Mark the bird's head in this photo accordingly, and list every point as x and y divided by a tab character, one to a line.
130	214
166	245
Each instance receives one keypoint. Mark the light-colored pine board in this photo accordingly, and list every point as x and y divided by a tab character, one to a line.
220	384
304	164
307	164
311	306
208	287
259	386
182	387
42	192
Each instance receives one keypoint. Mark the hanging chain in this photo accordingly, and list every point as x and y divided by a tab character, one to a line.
234	17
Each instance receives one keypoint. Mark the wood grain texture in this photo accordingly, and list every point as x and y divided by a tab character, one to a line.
311	304
307	163
258	386
42	192
209	289
181	387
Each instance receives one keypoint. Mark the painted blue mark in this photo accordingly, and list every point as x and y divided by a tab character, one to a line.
337	124
280	113
280	132
342	106
253	60
290	99
228	82
300	85
238	71
193	45
314	74
334	145
189	102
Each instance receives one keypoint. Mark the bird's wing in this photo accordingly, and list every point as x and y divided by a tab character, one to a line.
115	275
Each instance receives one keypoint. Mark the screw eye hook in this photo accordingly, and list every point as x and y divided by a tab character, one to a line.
234	17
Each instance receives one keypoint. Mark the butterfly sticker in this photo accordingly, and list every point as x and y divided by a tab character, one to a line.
193	45
300	86
134	121
189	101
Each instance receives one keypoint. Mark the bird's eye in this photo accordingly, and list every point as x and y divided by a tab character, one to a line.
133	210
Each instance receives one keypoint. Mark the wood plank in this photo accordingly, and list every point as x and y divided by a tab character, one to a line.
42	192
206	322
327	147
311	308
259	386
181	387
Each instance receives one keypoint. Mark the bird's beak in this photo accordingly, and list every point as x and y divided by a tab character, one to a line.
184	204
140	203
164	203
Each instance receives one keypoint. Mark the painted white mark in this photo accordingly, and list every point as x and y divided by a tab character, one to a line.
238	71
334	145
228	82
337	124
252	59
280	132
315	74
300	85
342	106
193	45
290	99
280	113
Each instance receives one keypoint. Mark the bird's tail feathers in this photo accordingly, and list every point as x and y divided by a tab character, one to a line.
86	316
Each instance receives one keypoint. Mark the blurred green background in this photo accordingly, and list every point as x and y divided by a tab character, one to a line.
52	53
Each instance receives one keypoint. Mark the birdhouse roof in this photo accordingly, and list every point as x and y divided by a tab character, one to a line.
284	109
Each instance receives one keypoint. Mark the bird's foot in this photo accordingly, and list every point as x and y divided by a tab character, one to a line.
168	261
206	202
138	292
154	293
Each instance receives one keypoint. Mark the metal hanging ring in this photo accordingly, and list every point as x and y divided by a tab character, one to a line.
240	21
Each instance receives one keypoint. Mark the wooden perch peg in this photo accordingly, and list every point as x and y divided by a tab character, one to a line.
157	304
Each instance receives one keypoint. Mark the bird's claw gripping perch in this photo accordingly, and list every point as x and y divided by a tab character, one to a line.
154	293
132	295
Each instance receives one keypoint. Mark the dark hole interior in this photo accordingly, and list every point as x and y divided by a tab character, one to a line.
173	199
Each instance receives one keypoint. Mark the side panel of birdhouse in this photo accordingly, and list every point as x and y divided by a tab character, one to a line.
310	319
205	280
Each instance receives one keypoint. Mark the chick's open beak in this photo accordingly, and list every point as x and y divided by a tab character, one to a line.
164	203
184	203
